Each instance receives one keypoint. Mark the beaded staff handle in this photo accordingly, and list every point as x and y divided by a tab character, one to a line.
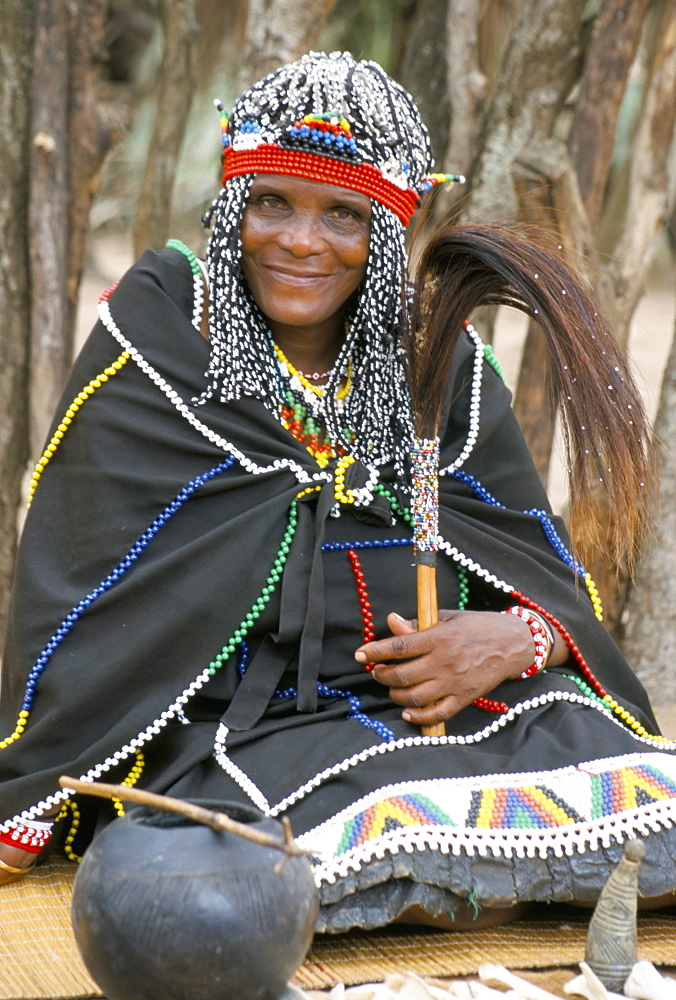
425	510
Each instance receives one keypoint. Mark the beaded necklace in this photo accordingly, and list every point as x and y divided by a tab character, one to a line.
302	409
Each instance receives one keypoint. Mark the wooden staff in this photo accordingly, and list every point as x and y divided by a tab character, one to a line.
425	509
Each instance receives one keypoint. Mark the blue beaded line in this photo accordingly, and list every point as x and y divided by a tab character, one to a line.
116	574
375	543
326	692
550	531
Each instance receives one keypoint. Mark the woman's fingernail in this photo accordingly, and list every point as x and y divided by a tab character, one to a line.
406	716
395	615
361	657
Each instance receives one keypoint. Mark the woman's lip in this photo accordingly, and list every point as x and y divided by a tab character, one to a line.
295	277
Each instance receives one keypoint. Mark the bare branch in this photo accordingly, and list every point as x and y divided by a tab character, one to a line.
175	88
609	58
198	814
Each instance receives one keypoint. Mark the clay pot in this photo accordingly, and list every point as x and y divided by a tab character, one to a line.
167	908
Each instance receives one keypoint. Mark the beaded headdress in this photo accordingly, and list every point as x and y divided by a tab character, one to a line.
324	118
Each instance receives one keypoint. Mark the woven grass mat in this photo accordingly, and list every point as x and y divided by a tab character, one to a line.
39	959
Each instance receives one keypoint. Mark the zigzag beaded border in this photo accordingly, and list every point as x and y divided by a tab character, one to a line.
257	796
183	409
500	843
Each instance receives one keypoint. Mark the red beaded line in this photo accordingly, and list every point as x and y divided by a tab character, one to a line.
368	631
269	158
488	705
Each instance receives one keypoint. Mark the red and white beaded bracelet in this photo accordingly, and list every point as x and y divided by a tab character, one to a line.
542	641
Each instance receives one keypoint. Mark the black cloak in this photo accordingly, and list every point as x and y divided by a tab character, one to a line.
185	604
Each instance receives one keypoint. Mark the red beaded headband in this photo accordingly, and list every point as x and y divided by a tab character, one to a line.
269	158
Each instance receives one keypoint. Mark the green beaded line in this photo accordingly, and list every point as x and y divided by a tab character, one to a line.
265	594
187	252
463	587
590	693
490	357
403	512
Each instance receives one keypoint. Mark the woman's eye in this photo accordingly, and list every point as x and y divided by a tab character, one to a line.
343	214
271	202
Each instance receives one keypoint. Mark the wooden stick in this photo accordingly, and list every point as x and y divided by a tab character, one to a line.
216	820
428	615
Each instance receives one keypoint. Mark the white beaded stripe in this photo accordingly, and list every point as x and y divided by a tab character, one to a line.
474	405
175	399
198	301
413	741
500	843
53	800
473	566
236	773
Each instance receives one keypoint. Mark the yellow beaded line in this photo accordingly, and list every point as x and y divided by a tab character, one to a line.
67	419
18	730
317	389
310	489
130	781
630	721
594	595
72	833
341	494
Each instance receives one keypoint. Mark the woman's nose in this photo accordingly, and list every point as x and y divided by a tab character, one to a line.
300	235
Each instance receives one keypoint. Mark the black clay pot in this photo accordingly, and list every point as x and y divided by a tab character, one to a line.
168	909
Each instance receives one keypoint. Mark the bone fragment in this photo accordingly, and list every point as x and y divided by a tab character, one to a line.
490	973
646	983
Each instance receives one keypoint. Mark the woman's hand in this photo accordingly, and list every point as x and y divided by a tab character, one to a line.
442	669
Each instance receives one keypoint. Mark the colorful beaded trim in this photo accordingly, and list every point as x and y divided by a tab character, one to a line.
269	158
67	419
326	135
566	811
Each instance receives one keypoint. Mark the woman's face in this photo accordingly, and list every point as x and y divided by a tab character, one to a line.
305	247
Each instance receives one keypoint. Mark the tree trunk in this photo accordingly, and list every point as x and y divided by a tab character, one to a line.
51	340
278	32
16	61
609	58
69	145
175	88
650	631
541	64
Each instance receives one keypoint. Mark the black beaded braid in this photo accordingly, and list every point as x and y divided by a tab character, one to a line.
389	133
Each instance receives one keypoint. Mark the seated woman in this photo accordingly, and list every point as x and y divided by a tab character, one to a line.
215	594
